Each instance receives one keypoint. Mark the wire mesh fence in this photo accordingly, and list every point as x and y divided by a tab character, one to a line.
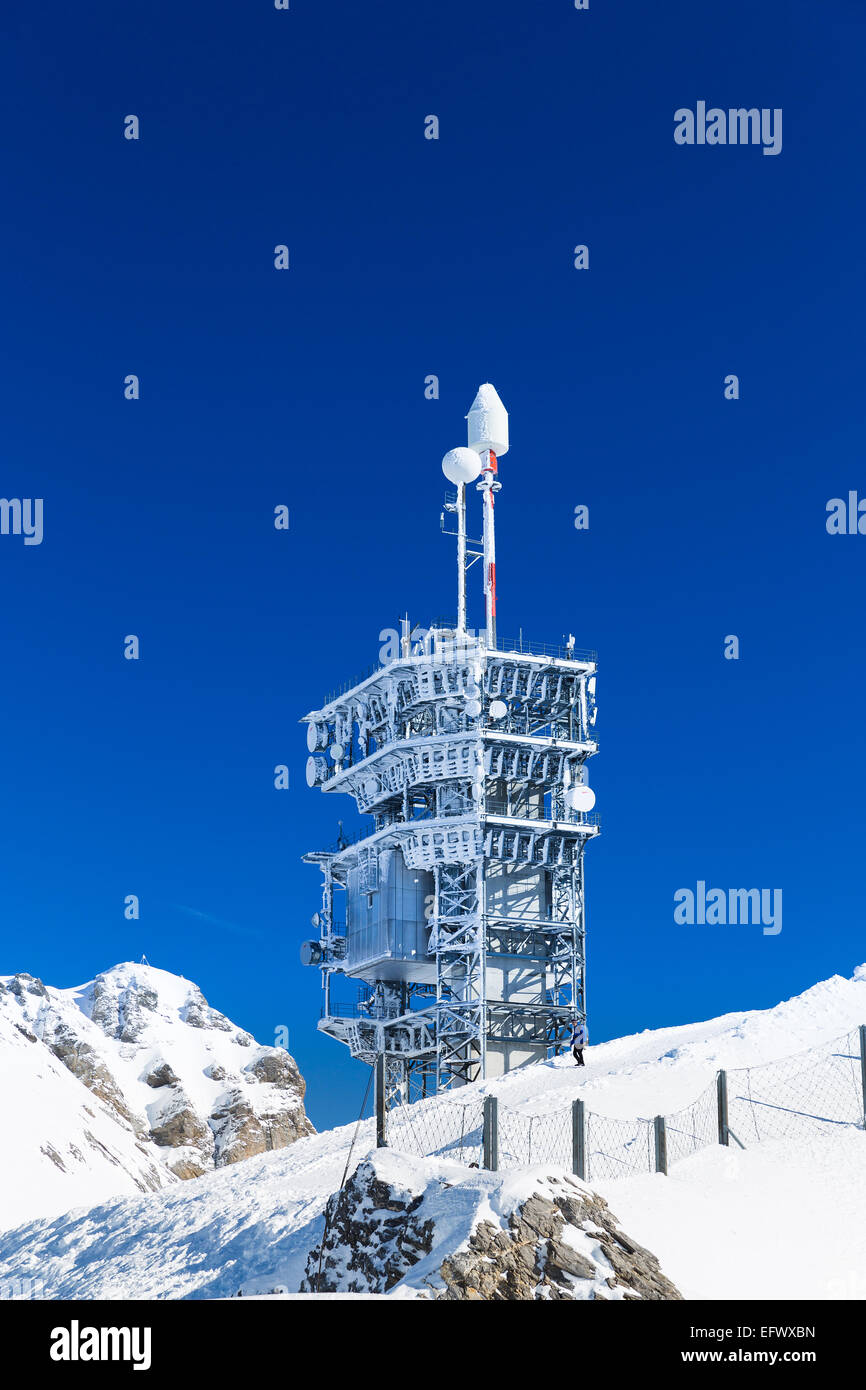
526	1139
440	1128
618	1148
694	1127
798	1097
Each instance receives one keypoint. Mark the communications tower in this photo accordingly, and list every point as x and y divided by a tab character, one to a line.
451	936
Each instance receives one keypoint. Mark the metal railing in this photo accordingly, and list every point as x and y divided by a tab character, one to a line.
523	646
520	646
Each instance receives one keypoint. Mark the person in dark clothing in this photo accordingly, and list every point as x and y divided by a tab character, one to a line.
578	1043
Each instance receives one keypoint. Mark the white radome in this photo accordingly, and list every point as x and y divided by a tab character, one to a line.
488	422
580	798
461	465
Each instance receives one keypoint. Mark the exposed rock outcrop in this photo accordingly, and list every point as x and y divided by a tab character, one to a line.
373	1237
161	1075
534	1257
561	1242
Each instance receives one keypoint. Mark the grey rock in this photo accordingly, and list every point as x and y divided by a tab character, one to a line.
278	1069
561	1259
161	1075
179	1127
22	984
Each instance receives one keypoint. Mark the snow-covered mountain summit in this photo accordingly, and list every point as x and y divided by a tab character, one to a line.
128	1083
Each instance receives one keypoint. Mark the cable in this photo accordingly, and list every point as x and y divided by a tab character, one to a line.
342	1182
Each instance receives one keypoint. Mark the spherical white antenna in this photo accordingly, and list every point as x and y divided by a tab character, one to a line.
580	798
461	465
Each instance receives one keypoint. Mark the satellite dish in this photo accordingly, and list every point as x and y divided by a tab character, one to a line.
337	752
317	736
317	772
580	798
315	920
461	465
472	692
498	709
473	708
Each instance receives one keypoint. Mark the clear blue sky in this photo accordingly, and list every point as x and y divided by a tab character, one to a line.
411	257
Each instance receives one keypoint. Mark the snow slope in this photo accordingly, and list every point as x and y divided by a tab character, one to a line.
768	1222
61	1145
777	1221
129	1083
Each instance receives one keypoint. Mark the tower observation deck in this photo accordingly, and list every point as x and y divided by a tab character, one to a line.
457	915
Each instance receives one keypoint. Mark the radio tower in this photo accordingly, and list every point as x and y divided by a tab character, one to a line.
457	915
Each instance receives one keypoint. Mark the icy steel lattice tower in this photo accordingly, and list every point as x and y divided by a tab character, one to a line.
462	921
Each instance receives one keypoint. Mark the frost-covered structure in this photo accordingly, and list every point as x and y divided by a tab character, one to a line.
459	912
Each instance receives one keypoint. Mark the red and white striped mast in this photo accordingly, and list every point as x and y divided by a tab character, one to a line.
488	436
487	424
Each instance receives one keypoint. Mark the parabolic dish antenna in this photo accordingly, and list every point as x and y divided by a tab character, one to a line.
316	737
317	771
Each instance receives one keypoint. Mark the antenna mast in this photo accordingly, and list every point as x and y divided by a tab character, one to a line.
487	431
487	423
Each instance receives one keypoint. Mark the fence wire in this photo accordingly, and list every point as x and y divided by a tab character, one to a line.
439	1128
618	1148
526	1139
797	1097
694	1127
